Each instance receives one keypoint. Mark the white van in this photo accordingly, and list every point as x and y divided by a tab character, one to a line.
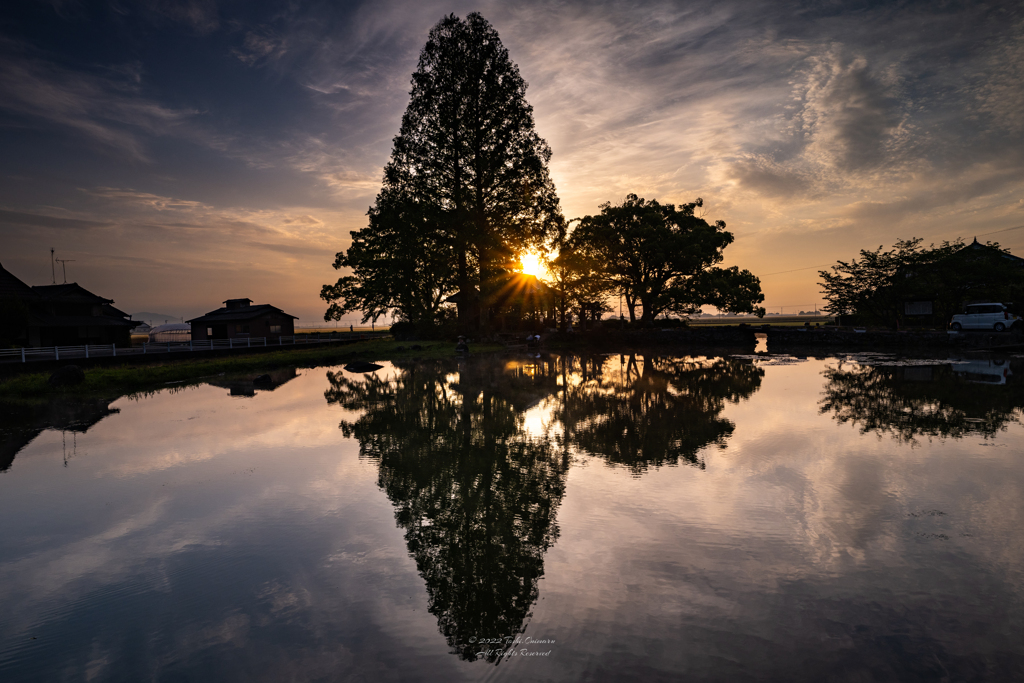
984	317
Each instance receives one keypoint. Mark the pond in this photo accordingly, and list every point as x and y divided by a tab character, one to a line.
551	518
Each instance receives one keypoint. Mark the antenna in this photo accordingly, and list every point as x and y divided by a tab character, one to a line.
53	273
62	262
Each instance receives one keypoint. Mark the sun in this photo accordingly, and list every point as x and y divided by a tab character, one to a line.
532	265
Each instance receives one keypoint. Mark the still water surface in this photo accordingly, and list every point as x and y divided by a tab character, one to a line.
543	519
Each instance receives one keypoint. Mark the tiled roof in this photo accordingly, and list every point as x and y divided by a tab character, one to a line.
70	292
11	286
244	313
977	246
46	320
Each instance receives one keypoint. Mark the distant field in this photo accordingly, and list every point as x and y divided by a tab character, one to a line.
773	320
326	330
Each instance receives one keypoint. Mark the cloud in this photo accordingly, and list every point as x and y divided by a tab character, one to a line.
35	220
258	47
199	15
851	115
1000	94
764	177
108	111
145	199
788	119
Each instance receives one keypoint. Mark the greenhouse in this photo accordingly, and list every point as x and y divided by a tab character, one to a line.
171	332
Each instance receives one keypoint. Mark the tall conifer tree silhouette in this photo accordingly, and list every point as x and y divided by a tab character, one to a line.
466	189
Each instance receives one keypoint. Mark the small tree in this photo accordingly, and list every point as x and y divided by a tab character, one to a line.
665	259
870	286
399	263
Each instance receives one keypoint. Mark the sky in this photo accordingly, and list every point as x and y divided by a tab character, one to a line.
180	153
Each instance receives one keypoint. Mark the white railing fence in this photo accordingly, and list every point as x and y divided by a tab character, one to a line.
25	355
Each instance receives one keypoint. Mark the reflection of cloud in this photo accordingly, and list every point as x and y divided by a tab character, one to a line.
253	530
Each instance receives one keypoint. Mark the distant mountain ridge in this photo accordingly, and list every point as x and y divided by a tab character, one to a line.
156	318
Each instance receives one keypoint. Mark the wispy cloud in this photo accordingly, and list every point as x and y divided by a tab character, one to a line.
109	111
812	129
35	220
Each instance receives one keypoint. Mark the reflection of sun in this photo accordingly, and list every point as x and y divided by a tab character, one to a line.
532	264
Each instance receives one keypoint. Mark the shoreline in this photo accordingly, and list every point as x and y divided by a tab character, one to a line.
114	377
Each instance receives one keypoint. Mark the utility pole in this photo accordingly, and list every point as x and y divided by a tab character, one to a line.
53	271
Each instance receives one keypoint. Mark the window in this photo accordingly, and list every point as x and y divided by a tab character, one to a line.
275	329
241	329
918	308
209	331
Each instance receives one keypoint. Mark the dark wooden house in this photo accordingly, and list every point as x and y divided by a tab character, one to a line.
59	315
240	319
978	273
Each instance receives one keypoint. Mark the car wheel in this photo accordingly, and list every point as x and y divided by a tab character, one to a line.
1000	327
956	327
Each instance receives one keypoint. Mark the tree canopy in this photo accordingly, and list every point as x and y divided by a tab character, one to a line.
878	284
467	185
665	258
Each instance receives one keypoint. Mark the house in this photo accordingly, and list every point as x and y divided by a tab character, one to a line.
61	315
978	272
240	319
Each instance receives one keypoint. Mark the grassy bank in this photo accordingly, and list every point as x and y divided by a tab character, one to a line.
130	379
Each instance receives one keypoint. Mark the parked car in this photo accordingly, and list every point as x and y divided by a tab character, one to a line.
984	317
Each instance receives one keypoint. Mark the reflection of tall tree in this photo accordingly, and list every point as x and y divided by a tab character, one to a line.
476	496
905	402
654	411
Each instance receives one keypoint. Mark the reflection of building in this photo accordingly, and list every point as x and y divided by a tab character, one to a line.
248	387
239	318
20	424
60	315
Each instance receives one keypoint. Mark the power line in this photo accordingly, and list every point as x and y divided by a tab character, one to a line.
826	265
1016	227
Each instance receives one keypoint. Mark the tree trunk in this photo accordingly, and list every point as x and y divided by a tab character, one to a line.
631	305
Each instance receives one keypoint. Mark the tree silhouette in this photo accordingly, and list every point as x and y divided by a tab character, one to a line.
666	258
933	401
468	176
476	495
656	411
